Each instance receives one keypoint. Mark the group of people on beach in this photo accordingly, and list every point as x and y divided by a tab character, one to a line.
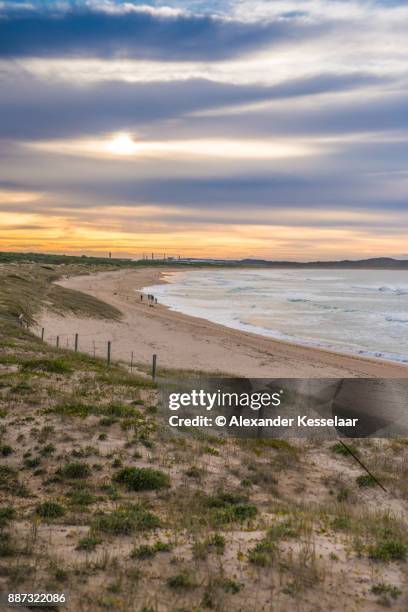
150	299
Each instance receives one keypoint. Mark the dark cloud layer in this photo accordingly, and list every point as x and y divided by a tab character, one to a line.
139	34
31	108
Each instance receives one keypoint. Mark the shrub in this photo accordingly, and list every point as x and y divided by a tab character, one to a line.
386	589
7	513
194	472
6	450
226	507
366	480
341	522
215	542
81	497
75	470
183	580
125	520
263	553
50	510
389	549
32	462
88	543
142	479
146	551
339	449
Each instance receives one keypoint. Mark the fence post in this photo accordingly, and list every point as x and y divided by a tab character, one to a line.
42	333
131	362
154	367
76	343
109	352
57	342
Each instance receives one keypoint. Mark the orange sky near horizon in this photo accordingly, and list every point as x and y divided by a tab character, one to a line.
101	231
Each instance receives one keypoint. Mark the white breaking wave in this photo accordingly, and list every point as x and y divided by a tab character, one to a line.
358	311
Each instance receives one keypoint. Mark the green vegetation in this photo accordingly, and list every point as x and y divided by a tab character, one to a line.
88	543
146	551
50	510
265	551
385	592
7	513
55	366
388	549
125	520
339	449
214	543
226	507
181	581
366	480
142	479
75	470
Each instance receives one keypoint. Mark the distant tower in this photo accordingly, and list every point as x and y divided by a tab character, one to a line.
110	255
152	255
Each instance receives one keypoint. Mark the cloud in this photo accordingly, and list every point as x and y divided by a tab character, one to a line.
139	33
33	108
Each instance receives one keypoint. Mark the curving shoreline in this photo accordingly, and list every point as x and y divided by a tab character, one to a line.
186	342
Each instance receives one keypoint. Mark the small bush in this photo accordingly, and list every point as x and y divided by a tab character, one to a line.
81	497
181	581
366	480
142	479
7	513
341	523
88	543
263	553
126	520
385	589
389	549
32	462
194	472
147	552
6	450
50	510
339	449
47	450
226	507
215	542
75	470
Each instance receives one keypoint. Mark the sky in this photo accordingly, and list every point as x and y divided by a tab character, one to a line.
222	128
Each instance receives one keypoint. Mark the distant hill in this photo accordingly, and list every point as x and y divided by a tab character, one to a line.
53	259
374	262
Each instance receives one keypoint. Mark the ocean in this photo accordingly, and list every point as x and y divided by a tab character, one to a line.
354	311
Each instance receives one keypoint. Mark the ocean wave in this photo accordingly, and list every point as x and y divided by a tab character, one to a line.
324	315
395	320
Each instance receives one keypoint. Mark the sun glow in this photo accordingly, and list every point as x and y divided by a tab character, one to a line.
122	144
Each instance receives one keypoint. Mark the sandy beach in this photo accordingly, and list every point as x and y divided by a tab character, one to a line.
181	341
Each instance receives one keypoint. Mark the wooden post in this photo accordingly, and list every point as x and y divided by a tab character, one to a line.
154	367
42	333
57	342
76	343
131	362
109	352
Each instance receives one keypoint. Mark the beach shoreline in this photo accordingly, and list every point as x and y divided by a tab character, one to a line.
182	341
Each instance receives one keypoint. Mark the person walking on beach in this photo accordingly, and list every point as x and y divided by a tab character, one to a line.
141	297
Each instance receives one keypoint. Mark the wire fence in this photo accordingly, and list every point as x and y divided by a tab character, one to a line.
94	347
